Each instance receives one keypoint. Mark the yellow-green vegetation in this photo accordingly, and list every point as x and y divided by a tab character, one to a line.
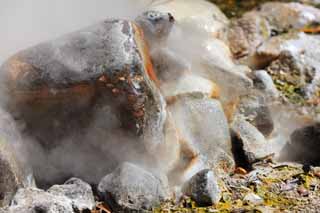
278	186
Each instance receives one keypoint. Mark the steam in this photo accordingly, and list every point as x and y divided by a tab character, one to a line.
25	23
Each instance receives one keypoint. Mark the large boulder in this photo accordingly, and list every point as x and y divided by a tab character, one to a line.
132	188
63	78
203	188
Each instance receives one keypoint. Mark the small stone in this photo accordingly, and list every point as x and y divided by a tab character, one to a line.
252	198
203	188
303	191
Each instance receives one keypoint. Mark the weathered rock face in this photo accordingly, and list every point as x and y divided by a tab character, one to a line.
303	146
131	188
204	133
73	196
258	26
13	174
203	188
66	76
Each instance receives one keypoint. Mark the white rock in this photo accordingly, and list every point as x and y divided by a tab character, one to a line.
193	15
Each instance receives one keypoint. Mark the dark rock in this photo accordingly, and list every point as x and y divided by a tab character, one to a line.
78	191
131	188
303	146
203	188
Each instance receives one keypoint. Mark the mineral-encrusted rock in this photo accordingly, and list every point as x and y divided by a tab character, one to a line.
204	131
78	191
13	173
303	146
255	110
248	141
199	16
131	188
59	79
203	188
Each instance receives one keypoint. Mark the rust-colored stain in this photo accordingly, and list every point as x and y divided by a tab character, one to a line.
143	47
82	91
215	93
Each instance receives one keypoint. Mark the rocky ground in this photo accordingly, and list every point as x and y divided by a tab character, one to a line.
198	110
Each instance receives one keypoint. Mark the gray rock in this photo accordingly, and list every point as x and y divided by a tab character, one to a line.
203	188
78	191
131	188
303	146
247	140
13	173
204	130
73	196
255	110
31	200
264	83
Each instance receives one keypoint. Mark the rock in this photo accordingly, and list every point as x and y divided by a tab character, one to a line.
131	188
303	146
264	83
79	192
252	198
73	196
255	110
30	200
203	188
188	84
296	74
248	141
13	172
200	16
65	77
218	67
254	28
203	131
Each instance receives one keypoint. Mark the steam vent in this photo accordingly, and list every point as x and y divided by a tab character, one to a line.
185	106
